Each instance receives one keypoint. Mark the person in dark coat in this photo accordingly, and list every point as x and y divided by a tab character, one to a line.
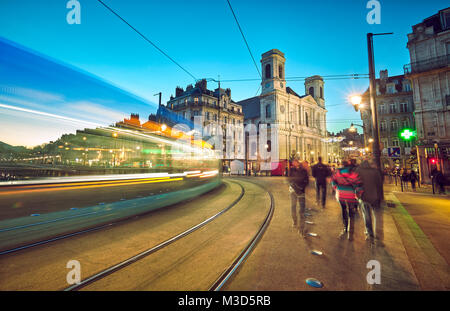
439	179
413	179
371	198
321	172
298	180
405	178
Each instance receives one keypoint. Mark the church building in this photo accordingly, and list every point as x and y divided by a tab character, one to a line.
298	120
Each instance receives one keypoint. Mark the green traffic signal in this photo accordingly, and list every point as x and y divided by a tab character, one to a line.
407	134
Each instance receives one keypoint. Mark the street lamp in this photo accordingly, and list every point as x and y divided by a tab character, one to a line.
356	101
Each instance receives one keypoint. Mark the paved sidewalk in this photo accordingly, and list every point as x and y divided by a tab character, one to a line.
283	259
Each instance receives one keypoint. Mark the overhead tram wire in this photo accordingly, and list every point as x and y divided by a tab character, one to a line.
146	39
293	79
245	40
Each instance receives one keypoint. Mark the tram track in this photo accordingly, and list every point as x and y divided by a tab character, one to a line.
223	278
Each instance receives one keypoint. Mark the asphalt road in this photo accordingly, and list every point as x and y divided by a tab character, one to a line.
191	263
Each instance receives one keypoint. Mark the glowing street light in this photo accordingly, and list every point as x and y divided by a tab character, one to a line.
115	135
163	127
370	140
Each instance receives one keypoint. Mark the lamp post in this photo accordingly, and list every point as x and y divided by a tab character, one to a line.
375	134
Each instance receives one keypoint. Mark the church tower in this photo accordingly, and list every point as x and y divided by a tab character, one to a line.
314	87
273	78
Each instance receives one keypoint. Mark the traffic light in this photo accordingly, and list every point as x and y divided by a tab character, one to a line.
407	134
433	161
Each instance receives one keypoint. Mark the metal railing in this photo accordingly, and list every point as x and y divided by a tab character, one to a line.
426	65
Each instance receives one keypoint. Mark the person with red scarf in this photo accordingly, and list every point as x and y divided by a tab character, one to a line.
348	186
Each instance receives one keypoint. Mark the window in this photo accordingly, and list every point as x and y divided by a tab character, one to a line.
267	70
407	86
280	71
395	143
306	119
382	126
393	108
321	92
391	89
215	117
299	115
382	109
207	115
403	107
196	100
311	91
268	112
405	123
407	143
394	125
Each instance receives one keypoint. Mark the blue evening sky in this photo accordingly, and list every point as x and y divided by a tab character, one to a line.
324	37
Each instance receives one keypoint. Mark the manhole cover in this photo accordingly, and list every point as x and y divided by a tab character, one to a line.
314	283
316	252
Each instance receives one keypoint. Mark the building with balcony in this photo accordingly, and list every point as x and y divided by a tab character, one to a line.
394	101
300	119
429	72
211	111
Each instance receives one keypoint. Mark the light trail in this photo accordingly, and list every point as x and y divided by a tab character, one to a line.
93	185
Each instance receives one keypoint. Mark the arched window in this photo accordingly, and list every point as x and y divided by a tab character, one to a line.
268	76
321	92
280	71
268	114
311	91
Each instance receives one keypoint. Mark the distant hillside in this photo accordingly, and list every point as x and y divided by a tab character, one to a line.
5	148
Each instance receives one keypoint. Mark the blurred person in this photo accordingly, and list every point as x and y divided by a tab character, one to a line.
321	172
413	180
372	195
405	177
298	180
438	179
348	188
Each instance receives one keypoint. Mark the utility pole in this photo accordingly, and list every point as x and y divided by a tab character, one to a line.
159	107
372	94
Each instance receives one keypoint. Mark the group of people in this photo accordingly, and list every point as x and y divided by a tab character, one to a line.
354	186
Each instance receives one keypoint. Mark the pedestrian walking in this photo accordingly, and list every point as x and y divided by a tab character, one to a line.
348	188
372	196
413	179
405	178
439	179
298	180
321	172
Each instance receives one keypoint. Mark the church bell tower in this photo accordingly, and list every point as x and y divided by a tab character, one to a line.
273	78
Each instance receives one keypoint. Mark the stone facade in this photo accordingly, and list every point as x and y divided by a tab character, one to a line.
429	71
300	120
394	101
210	110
